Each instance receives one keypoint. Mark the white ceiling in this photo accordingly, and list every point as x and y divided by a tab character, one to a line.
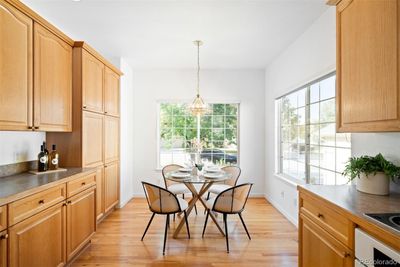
159	33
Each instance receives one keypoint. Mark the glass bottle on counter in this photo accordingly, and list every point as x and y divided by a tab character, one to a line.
43	160
45	148
53	159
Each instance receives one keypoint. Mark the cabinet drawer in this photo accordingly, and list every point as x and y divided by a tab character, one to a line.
26	207
328	218
80	184
3	217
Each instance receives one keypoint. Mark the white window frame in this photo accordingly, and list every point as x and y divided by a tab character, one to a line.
186	101
278	139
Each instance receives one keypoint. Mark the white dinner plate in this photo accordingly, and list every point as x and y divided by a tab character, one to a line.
214	170
181	175
213	175
185	170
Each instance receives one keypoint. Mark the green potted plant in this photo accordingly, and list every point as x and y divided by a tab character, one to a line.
374	173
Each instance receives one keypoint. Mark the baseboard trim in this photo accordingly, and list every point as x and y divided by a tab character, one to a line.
282	210
122	204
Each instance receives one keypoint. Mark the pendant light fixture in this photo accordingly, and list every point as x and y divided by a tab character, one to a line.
198	106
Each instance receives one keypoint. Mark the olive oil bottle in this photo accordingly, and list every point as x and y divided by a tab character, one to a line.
53	159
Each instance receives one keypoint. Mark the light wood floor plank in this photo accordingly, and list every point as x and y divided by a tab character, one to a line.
117	241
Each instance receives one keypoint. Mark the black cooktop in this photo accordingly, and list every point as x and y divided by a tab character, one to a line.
390	219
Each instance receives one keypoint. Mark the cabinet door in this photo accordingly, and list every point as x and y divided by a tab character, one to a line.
16	61
111	92
111	139
319	249
81	221
3	248
92	138
53	82
40	240
92	83
111	186
100	193
368	95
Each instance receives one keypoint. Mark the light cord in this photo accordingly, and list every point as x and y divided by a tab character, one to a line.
198	68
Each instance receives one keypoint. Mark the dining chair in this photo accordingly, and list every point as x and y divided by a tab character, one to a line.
175	187
217	188
230	201
161	201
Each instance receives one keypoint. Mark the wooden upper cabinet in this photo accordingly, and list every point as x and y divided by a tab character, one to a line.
81	221
52	82
111	139
111	185
368	91
40	240
92	139
16	61
92	83
320	249
111	92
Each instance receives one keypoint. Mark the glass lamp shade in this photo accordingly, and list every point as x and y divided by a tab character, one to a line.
198	107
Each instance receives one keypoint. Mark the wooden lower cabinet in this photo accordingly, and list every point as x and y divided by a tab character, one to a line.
81	221
111	186
100	193
40	240
319	249
3	248
3	217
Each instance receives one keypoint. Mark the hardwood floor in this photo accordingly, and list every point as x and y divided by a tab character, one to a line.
117	241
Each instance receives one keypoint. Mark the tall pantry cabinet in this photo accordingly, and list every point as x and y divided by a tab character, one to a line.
94	141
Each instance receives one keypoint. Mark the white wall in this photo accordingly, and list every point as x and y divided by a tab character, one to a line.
246	86
373	143
19	146
311	56
126	140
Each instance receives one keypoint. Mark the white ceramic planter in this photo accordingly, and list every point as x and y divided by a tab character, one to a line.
377	184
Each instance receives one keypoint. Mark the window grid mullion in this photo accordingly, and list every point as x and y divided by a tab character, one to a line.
307	150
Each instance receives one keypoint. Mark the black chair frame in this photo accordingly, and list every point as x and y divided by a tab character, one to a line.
163	213
225	214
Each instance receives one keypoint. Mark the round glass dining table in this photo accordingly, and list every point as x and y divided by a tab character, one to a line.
190	182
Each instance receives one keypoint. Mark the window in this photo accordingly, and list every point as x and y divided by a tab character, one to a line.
217	130
310	148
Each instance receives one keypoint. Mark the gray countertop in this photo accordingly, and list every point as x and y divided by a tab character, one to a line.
357	203
21	183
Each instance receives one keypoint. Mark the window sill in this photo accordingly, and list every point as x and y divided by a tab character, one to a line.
291	181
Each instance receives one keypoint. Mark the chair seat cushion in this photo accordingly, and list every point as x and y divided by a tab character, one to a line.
218	188
210	202
178	189
183	203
